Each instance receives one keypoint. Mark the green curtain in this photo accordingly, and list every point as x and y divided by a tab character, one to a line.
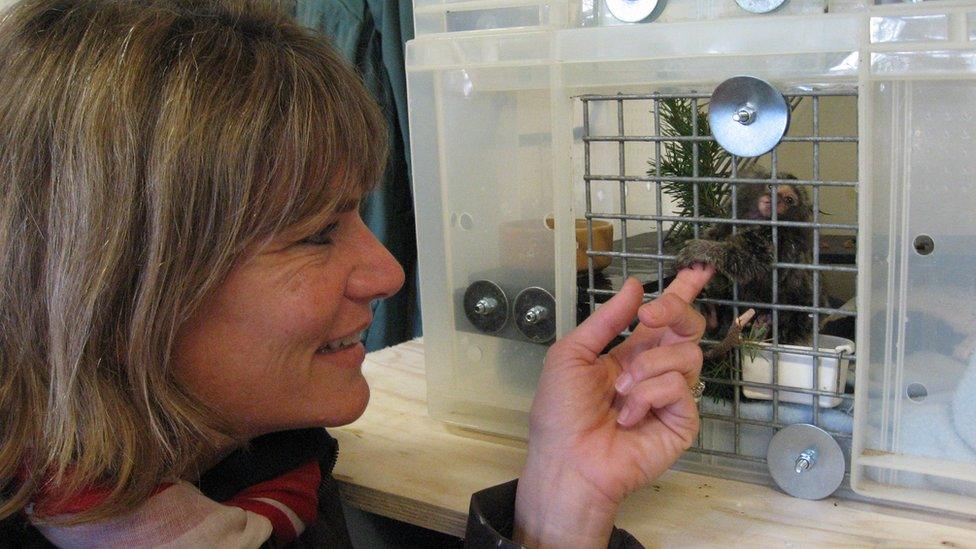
371	34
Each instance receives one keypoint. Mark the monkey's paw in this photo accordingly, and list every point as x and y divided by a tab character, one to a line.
700	251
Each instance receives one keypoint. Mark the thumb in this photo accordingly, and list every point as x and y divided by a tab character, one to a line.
609	319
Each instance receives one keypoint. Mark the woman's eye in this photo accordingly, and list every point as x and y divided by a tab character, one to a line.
322	237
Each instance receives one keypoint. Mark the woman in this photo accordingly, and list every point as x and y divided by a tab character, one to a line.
184	280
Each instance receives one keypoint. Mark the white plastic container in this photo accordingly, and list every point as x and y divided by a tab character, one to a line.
452	16
495	117
796	370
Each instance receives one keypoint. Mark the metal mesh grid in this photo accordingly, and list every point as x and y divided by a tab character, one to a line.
659	259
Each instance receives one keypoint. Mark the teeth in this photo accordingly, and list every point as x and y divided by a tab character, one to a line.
340	343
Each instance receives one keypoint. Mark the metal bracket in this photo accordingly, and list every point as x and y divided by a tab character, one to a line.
748	116
631	11
760	6
805	461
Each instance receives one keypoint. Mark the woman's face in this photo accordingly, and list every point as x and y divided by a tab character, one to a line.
277	346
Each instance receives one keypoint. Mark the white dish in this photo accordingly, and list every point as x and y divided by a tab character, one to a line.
796	370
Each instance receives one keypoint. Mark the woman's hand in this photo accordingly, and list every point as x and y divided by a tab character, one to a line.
604	425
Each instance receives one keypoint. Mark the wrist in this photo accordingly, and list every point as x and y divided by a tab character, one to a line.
556	507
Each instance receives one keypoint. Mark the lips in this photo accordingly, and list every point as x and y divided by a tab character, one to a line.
341	343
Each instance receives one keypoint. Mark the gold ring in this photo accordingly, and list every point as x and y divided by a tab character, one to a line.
697	390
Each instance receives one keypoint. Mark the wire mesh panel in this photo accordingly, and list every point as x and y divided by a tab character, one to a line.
796	205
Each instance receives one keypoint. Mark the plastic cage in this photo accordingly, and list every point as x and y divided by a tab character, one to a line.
520	130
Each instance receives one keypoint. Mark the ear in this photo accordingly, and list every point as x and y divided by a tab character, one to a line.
801	191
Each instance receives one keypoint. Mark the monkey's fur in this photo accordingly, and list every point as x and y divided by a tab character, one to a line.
746	257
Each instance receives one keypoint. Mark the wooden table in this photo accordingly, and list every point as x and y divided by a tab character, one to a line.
397	462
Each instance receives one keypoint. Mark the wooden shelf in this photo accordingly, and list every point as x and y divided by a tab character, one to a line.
397	462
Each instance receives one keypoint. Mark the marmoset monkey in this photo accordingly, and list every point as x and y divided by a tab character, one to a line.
746	257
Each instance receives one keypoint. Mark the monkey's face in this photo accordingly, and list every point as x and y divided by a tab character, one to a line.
791	203
786	199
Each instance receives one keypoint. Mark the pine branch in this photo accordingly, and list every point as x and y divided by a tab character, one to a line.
677	159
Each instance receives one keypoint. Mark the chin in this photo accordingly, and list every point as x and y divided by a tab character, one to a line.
353	404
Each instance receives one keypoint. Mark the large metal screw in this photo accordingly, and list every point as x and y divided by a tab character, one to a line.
745	115
805	461
536	314
485	306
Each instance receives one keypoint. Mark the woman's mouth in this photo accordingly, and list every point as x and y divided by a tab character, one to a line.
340	344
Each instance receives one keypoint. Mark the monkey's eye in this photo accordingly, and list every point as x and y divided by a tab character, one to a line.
790	201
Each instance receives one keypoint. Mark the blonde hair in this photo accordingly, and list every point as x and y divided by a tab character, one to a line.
144	146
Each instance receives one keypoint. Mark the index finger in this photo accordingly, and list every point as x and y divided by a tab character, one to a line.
688	283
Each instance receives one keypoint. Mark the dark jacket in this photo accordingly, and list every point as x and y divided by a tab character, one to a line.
489	523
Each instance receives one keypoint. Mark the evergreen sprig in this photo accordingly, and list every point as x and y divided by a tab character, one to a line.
682	118
678	119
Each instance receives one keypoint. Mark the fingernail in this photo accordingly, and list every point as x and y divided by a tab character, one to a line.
624	383
624	416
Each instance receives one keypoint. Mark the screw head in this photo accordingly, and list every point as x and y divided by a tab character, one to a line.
745	115
536	314
805	460
802	464
485	306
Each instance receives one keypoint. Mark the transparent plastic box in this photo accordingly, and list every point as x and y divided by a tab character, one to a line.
456	16
498	118
451	16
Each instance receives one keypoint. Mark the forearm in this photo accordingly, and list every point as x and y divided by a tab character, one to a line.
555	507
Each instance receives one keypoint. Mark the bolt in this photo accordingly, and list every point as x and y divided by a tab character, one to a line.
745	115
536	314
485	306
802	464
805	461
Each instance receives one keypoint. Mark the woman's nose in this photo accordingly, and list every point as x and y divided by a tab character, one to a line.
377	273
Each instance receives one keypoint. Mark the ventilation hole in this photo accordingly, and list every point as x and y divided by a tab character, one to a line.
917	392
465	221
924	244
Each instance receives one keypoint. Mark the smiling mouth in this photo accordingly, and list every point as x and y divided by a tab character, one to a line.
340	344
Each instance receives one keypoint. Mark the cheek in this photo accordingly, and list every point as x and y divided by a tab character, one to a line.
293	314
248	353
